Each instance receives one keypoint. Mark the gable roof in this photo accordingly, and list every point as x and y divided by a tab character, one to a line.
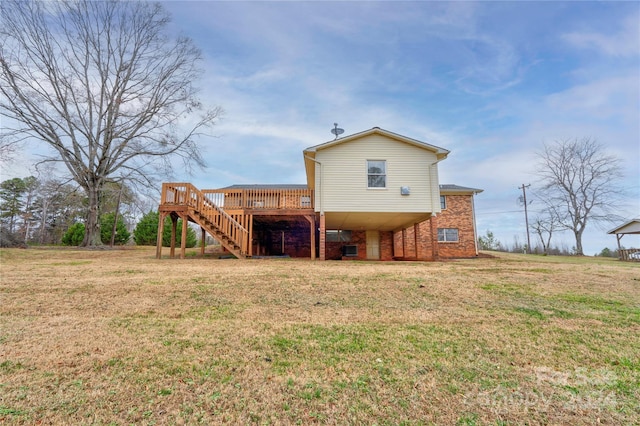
441	153
449	188
309	154
631	227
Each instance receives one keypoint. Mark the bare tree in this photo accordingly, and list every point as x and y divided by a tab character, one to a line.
57	206
103	86
580	182
8	147
544	226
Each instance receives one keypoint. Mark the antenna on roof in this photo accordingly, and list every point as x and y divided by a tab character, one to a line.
336	130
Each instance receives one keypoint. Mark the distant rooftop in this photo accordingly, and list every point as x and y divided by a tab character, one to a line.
449	187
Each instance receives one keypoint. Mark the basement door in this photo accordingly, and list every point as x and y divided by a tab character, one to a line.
373	245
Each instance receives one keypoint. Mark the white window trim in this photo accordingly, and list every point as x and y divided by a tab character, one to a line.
386	174
445	236
338	236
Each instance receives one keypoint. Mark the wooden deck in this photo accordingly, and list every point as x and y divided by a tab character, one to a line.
228	214
263	201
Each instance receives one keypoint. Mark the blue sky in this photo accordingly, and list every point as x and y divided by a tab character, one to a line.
490	81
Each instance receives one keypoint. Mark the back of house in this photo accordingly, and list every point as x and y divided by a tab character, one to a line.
372	195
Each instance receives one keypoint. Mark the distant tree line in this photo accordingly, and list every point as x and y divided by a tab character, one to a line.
488	241
52	212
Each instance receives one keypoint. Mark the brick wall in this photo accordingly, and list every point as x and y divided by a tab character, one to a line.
358	238
421	241
398	244
415	242
297	242
458	214
386	245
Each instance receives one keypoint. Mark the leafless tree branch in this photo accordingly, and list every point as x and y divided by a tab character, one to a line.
103	85
580	184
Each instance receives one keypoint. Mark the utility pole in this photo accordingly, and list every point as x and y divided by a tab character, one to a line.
526	218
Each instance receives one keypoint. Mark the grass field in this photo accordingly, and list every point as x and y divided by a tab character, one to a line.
118	337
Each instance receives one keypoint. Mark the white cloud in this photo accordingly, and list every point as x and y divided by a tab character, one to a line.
623	43
600	99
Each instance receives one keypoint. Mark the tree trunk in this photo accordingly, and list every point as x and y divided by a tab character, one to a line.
115	219
547	246
92	224
578	235
43	220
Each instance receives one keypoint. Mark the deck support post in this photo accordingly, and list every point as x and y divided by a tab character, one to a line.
250	236
183	240
312	225
202	241
313	237
161	217
174	227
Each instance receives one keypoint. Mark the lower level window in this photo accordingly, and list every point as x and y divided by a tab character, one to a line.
447	234
333	235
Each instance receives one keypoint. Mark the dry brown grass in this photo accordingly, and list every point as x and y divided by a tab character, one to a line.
118	337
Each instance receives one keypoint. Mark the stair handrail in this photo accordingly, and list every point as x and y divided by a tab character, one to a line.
187	194
229	226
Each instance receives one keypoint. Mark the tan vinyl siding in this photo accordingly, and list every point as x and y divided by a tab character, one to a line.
343	179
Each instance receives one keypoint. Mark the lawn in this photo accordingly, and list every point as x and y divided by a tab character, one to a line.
119	337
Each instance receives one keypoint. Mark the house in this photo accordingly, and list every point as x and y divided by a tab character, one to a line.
372	195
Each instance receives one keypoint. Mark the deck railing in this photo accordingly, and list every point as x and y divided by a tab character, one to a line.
185	194
256	199
629	254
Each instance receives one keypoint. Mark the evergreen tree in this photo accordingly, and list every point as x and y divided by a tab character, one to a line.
11	204
74	235
106	228
166	234
489	242
146	232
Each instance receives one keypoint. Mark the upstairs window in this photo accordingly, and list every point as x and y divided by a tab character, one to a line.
376	174
443	202
448	235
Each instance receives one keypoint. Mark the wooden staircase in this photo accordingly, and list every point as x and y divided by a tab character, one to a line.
187	202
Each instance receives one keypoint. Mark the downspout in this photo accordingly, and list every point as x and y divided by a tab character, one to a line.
321	185
321	207
435	201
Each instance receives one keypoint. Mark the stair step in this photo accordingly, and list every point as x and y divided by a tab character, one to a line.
207	220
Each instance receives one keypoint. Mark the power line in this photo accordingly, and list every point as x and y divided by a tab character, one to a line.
512	211
506	211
